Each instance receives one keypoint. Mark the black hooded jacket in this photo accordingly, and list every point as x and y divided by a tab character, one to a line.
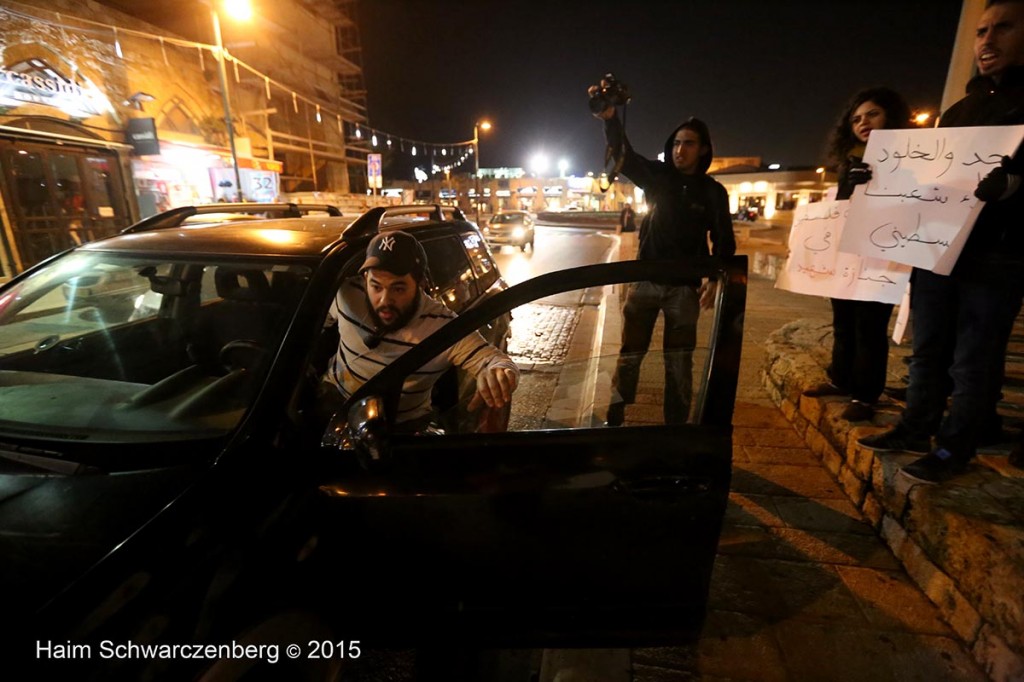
683	209
994	252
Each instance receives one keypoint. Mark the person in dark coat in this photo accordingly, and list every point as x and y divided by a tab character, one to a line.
686	206
860	329
969	314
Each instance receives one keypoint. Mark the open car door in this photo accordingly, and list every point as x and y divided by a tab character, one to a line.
560	531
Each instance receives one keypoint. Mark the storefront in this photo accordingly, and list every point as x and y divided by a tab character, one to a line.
62	181
190	174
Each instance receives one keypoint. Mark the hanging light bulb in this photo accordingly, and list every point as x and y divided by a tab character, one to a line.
359	133
318	119
414	150
373	139
389	143
444	152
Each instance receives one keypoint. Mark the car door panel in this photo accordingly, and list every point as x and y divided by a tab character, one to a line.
570	537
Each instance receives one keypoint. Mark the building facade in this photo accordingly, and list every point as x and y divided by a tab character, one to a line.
107	116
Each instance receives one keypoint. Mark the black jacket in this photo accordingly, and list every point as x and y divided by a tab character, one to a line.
683	209
995	249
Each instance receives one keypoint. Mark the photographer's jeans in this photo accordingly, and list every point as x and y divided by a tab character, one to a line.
681	307
970	322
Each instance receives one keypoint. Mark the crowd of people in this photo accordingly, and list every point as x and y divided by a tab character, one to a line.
961	322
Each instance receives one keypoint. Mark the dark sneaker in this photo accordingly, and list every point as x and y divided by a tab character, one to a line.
895	440
823	390
858	411
938	466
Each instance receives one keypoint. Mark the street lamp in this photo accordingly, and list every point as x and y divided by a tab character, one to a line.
240	10
477	127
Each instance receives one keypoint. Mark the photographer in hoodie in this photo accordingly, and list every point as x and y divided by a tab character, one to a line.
685	208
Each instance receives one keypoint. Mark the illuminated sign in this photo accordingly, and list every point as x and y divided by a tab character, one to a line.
373	170
33	81
142	136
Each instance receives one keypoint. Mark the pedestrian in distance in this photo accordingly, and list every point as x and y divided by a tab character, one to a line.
627	219
686	206
860	329
968	315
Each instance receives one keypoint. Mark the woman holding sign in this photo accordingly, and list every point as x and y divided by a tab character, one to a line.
860	329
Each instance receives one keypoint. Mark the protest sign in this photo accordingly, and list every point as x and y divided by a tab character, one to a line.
816	266
919	206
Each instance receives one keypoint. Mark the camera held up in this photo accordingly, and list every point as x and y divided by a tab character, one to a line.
609	93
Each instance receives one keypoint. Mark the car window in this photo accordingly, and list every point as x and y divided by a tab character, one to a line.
450	272
567	347
482	260
571	371
120	347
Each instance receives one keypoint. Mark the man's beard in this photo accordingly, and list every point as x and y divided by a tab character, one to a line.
402	317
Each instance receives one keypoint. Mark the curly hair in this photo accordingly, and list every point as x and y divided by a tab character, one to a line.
842	140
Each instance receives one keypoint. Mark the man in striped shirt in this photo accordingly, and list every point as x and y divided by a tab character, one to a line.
383	312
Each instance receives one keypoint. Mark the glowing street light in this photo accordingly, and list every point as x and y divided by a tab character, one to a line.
539	163
477	127
563	166
922	118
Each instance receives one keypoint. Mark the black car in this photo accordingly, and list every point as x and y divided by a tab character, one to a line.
172	505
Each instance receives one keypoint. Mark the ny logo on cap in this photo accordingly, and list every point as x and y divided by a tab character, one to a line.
387	243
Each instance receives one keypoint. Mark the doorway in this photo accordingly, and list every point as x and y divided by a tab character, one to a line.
60	196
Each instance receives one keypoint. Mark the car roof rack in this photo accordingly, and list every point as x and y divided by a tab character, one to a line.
176	217
369	223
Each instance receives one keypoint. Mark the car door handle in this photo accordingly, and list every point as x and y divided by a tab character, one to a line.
663	487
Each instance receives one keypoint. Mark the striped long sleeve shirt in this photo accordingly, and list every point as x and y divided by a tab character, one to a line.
355	362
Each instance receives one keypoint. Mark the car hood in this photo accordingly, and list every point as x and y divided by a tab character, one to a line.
53	529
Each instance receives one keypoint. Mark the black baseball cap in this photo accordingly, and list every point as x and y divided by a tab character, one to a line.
397	252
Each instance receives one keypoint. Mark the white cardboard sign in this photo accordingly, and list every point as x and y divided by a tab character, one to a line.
816	266
919	207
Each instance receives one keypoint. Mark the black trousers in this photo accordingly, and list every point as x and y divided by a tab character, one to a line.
860	348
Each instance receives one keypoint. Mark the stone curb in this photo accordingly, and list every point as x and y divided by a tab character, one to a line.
962	542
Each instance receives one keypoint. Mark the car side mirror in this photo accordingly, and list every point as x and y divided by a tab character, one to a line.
364	431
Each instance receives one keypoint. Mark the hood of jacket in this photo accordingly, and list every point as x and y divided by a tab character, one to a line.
701	129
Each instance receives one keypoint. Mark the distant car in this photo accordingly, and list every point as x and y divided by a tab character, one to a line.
510	227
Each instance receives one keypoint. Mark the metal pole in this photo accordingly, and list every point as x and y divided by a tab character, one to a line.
476	169
222	71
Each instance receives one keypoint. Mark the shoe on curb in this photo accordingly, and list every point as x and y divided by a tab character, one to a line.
858	411
823	390
895	439
938	466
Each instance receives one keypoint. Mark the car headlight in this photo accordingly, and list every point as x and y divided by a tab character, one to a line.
518	233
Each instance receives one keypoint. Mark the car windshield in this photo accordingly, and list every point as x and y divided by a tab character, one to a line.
115	347
507	218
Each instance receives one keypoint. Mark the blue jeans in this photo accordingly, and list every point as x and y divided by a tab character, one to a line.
970	322
681	307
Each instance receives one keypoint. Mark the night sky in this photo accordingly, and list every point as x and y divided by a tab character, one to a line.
770	78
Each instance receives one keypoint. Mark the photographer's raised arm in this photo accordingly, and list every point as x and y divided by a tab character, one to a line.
635	167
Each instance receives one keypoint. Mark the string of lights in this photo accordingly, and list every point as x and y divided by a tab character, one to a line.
441	156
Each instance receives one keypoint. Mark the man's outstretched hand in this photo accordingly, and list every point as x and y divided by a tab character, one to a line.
494	388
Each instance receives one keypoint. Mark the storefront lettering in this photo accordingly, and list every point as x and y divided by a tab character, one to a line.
17	88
